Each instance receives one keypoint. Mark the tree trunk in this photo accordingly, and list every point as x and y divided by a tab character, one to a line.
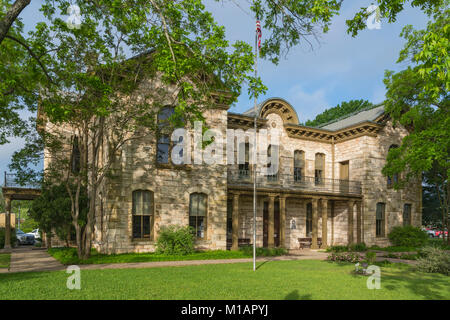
11	16
49	239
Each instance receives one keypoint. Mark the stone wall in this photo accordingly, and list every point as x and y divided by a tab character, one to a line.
375	188
136	169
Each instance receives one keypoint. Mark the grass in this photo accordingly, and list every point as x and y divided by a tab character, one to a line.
290	280
391	249
69	256
4	260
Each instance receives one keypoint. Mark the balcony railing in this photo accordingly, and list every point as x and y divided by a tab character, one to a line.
12	181
293	182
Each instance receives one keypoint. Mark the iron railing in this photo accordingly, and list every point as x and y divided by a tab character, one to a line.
12	181
293	182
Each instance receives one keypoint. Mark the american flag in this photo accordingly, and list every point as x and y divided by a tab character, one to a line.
258	33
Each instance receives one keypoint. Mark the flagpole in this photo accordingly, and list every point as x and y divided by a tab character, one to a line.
255	155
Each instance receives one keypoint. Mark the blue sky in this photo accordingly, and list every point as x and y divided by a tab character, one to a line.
341	68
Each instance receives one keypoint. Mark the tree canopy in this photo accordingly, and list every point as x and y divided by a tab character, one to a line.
418	99
341	110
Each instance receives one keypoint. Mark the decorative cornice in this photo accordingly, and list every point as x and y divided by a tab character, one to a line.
239	121
280	107
367	128
222	99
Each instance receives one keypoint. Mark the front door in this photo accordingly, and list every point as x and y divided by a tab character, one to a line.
344	177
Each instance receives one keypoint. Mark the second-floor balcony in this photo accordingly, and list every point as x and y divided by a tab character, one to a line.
244	178
12	181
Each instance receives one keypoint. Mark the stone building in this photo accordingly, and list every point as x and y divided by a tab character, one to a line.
329	188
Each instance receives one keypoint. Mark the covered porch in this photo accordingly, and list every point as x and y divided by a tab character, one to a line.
14	191
284	218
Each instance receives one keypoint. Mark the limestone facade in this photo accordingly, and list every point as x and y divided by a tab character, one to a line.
339	206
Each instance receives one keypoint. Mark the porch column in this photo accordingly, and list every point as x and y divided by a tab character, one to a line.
324	223
270	233
8	223
358	222
314	224
350	222
235	222
282	221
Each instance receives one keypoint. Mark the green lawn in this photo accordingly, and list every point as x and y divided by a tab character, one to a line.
4	260
305	279
69	256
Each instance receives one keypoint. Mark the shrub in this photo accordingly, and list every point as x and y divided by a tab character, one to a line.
337	249
408	236
263	252
2	238
358	247
175	240
407	256
434	260
371	257
344	257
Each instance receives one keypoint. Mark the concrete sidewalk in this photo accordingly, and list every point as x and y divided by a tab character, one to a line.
26	259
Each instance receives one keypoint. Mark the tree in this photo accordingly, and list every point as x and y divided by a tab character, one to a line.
25	69
341	110
418	99
52	211
11	15
431	207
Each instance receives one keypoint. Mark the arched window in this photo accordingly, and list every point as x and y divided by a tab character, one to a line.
319	169
392	179
163	146
142	214
309	219
299	165
272	167
198	214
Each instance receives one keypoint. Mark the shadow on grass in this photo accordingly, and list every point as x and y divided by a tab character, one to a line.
23	276
428	286
295	296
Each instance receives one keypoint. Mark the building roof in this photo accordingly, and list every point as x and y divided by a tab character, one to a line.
352	119
366	115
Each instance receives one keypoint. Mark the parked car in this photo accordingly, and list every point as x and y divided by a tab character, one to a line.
36	234
431	233
24	238
440	233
